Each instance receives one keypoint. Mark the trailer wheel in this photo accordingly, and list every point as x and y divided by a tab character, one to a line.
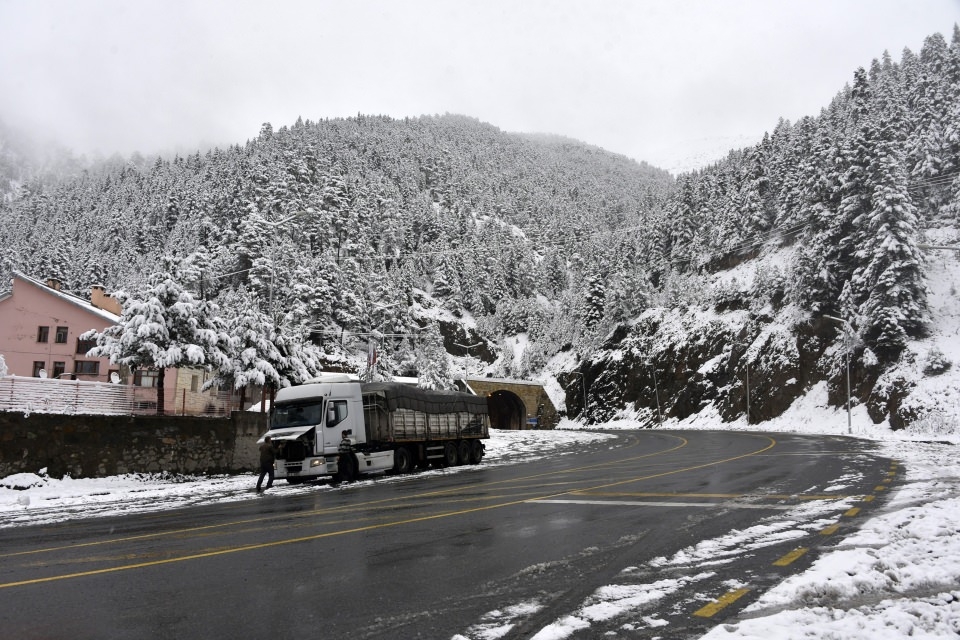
449	455
463	452
476	452
402	460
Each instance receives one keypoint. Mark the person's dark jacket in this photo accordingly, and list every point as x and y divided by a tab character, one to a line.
267	454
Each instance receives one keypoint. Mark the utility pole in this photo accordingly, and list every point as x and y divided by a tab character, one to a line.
848	339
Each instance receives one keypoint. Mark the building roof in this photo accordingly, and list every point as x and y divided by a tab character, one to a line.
68	297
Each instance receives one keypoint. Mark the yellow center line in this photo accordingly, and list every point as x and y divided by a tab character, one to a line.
829	531
852	512
320	536
331	510
721	603
791	557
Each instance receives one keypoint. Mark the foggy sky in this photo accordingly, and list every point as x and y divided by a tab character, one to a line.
670	82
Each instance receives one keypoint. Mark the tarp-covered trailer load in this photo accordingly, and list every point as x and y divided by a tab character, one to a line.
444	427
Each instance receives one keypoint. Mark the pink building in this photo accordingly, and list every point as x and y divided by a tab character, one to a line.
40	328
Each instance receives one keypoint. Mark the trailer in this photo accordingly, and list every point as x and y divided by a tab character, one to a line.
341	428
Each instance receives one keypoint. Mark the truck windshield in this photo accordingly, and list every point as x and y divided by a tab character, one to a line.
296	415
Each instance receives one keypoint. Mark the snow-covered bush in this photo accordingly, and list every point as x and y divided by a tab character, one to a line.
936	363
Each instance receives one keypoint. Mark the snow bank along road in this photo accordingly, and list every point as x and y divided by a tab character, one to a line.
651	534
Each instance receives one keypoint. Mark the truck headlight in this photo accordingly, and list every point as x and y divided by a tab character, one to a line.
316	462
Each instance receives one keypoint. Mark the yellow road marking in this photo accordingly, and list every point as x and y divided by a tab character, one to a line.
329	510
880	488
852	512
720	603
829	531
868	498
319	536
790	557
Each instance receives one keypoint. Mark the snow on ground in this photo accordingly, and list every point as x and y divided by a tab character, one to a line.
898	576
28	498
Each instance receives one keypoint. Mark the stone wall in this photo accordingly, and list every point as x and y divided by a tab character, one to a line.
87	446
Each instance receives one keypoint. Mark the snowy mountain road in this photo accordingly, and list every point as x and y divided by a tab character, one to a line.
654	533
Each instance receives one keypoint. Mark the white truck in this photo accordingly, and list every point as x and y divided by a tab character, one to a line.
341	428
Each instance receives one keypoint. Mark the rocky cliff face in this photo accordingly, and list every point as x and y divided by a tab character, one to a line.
685	362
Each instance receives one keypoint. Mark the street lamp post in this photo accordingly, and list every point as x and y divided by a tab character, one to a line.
848	338
748	387
656	390
583	384
466	361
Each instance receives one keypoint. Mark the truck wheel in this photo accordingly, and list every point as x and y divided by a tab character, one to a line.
402	460
463	452
476	452
449	455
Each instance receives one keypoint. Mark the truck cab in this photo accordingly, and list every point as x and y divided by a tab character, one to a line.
316	429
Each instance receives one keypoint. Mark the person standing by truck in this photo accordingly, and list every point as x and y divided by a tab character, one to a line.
267	458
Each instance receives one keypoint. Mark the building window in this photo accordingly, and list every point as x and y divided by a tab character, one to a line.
61	337
38	366
194	383
85	345
145	378
59	368
43	334
86	367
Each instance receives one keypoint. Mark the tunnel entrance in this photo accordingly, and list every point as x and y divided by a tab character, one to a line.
507	410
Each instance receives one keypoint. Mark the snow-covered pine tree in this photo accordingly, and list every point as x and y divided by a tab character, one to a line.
433	363
595	299
253	357
164	326
891	280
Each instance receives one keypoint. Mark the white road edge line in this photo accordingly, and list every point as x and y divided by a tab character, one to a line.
632	503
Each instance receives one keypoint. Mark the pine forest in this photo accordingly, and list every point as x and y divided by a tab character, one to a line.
422	244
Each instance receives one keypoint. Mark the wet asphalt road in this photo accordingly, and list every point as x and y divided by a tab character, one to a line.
433	557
